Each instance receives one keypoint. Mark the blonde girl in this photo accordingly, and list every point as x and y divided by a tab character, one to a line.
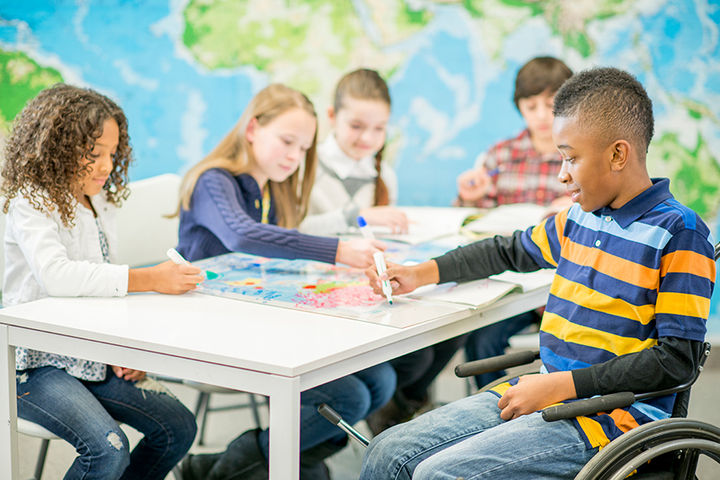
252	190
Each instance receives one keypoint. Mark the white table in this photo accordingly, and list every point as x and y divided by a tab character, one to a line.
245	346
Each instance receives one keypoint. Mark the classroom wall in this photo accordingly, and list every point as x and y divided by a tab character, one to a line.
184	70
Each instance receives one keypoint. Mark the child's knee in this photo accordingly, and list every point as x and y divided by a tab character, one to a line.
113	455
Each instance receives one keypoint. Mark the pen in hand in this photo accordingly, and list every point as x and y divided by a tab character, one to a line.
178	259
378	257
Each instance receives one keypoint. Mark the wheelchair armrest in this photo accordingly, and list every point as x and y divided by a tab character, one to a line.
604	403
493	364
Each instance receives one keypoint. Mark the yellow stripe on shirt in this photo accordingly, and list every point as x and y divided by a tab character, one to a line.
595	434
685	304
567	331
592	299
540	238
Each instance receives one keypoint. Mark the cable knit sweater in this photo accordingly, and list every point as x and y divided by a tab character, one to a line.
225	216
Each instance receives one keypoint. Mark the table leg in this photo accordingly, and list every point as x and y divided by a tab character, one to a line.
8	409
285	431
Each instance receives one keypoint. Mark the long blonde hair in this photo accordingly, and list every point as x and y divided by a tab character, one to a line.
234	154
366	84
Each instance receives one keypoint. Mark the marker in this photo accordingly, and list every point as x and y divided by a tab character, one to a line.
490	173
378	257
179	260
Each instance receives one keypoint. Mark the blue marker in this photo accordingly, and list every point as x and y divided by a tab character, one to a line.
490	173
378	257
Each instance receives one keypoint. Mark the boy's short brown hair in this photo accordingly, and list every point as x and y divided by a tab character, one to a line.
539	75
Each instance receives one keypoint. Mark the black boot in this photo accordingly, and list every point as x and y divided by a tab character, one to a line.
242	460
399	409
312	466
196	467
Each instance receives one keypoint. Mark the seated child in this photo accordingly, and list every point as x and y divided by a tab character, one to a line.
64	176
626	312
524	170
248	195
351	179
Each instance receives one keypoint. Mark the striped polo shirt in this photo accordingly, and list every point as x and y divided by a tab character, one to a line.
624	278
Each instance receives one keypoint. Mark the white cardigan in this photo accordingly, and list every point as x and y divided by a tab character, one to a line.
45	258
342	187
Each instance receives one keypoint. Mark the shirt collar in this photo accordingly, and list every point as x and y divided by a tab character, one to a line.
332	157
640	205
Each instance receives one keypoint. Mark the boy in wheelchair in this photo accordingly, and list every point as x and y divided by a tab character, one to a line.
626	311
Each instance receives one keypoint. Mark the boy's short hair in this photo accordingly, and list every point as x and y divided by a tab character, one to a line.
541	74
611	103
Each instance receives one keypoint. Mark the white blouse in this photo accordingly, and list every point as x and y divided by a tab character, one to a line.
45	258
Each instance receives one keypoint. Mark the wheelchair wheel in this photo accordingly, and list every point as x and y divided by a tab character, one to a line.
680	439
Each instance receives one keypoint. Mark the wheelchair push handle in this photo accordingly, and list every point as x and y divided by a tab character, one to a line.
605	403
333	417
493	364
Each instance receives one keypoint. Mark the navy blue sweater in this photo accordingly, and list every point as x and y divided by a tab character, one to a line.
224	216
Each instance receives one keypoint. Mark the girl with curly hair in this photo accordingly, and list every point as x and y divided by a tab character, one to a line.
64	176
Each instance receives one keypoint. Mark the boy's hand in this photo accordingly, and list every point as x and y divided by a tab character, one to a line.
404	279
535	392
358	252
474	184
128	373
390	217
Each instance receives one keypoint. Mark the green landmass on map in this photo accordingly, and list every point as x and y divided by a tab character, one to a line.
694	172
21	78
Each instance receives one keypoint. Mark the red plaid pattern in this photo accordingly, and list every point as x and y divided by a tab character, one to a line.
524	176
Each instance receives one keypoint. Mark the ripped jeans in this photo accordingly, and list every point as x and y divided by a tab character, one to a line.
86	414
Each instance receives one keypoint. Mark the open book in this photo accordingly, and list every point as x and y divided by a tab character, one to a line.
427	223
480	293
505	219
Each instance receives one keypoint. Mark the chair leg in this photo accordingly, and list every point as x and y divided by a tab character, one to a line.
201	411
255	411
42	454
177	473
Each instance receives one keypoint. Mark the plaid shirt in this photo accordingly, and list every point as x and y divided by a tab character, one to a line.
524	175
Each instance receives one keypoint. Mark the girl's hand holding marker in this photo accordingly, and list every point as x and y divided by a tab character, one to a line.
180	260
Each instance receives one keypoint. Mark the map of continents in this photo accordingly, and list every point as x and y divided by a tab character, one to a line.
184	70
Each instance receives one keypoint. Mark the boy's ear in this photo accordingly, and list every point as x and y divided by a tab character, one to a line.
331	115
620	151
250	130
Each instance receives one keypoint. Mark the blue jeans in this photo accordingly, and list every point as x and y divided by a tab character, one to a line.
353	397
85	414
492	340
468	439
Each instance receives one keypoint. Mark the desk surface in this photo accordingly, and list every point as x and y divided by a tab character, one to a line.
253	336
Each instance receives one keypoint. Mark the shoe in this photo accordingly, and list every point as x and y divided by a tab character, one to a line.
242	460
399	409
312	466
196	467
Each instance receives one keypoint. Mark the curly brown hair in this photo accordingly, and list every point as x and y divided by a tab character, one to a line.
48	150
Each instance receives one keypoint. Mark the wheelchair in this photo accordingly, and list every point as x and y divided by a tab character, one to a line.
660	450
666	449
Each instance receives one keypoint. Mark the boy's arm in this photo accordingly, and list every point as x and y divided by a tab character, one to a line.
485	257
670	363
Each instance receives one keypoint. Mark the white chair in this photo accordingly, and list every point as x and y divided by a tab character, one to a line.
145	232
34	430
